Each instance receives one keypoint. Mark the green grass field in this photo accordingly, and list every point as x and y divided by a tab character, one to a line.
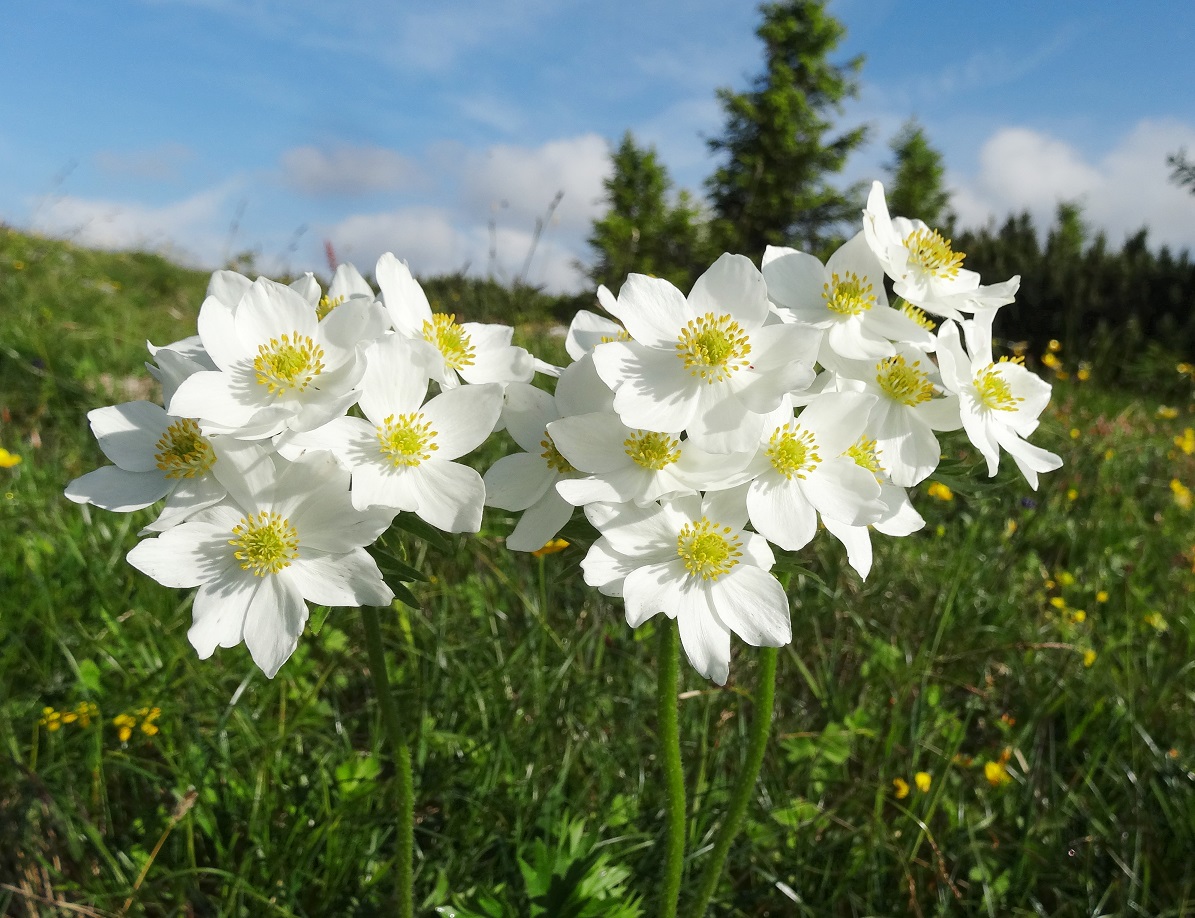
997	722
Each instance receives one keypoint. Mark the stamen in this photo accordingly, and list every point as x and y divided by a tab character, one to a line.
848	295
407	439
793	451
266	543
284	365
930	252
652	450
708	550
713	348
451	340
183	452
904	382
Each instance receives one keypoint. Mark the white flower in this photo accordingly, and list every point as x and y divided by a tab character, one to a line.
279	367
692	560
845	298
401	454
288	535
1000	401
154	456
588	329
898	519
706	364
471	351
802	470
907	412
526	481
919	260
634	465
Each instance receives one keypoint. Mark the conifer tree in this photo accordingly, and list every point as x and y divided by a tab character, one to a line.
915	186
779	151
643	231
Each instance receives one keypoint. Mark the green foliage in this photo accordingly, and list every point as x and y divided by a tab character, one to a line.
773	186
1182	170
914	187
643	231
527	697
572	878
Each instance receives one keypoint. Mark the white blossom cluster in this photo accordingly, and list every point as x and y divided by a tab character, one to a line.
697	432
272	488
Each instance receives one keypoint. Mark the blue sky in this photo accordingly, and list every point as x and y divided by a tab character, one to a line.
442	130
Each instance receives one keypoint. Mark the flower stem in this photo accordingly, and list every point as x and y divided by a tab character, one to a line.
765	693
404	787
674	778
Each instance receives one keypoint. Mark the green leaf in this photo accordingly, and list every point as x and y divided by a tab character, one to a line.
409	522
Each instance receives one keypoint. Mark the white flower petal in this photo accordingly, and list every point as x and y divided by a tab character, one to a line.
780	512
655	588
540	523
112	488
350	579
753	605
451	496
517	481
274	621
462	418
185	556
652	310
403	297
128	434
731	286
703	635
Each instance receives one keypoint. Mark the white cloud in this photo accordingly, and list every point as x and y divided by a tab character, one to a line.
346	170
522	181
194	230
1123	190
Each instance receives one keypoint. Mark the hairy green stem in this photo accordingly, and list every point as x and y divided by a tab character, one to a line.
674	778
761	727
404	786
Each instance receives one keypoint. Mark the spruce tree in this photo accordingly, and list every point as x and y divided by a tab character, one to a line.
779	153
643	231
914	188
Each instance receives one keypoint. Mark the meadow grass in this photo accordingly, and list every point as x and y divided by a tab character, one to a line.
1028	656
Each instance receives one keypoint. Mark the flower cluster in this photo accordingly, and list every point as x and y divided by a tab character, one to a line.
699	431
272	488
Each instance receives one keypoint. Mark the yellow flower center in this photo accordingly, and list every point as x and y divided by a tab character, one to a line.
652	450
708	550
713	347
848	295
930	252
865	455
407	439
552	456
285	364
183	452
326	305
793	451
450	340
265	543
994	391
904	382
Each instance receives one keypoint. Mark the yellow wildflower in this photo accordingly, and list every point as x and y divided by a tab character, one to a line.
1182	494
50	719
1054	346
1166	412
1066	578
1058	602
1089	657
940	491
124	724
900	787
996	773
1010	528
1076	433
1101	596
550	549
1072	494
7	459
923	779
1185	369
1156	621
1084	372
1079	616
1049	360
1108	454
1186	441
